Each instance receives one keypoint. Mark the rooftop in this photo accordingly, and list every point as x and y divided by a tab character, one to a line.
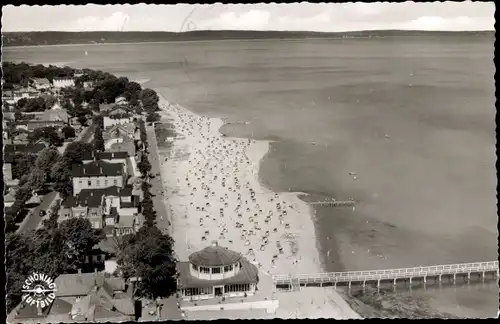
93	197
97	168
42	81
80	284
10	150
87	156
214	255
247	274
28	148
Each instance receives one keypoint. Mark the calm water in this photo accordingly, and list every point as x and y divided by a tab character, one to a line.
413	117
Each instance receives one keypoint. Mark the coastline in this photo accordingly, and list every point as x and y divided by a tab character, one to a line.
201	138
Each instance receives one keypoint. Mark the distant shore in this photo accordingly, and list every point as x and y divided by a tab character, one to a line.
59	38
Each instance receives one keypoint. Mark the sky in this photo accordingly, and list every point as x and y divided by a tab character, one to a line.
327	17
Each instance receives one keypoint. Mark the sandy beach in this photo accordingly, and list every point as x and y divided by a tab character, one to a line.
213	193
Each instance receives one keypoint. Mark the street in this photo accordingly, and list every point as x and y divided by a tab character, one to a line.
163	217
33	218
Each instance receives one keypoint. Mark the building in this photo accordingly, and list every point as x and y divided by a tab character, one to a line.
120	131
20	138
97	175
7	171
9	198
81	297
123	158
121	101
78	73
114	209
63	82
41	83
55	114
126	145
109	157
120	138
117	116
50	115
31	125
56	106
216	271
88	85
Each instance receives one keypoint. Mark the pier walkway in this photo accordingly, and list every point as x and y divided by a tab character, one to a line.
437	272
335	203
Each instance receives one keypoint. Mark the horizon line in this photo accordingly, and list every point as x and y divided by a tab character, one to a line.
245	30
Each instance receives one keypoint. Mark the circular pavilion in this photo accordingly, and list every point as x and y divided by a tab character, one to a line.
216	271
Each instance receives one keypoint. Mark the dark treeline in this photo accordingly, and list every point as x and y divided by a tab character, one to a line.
58	38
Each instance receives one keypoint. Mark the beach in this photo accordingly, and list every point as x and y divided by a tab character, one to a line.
212	193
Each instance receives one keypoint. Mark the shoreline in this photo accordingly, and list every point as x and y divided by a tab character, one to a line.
204	142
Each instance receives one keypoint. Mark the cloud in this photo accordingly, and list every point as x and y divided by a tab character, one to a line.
327	17
249	20
440	23
115	22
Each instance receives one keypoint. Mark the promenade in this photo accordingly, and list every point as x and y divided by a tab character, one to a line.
156	182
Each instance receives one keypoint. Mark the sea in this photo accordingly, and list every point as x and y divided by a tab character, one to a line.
403	125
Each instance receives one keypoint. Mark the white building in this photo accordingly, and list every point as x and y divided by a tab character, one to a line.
117	119
98	175
63	82
88	84
216	271
41	83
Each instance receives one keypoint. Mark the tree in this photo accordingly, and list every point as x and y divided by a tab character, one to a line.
50	134
37	179
50	101
33	105
52	251
144	167
149	255
23	193
75	151
18	254
82	120
98	139
22	164
68	132
149	97
21	103
46	159
62	177
79	237
152	117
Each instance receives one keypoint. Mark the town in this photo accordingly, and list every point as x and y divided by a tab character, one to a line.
78	202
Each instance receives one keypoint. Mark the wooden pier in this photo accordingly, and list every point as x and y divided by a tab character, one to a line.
335	203
451	271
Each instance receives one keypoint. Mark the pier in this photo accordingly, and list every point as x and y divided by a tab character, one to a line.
335	203
451	272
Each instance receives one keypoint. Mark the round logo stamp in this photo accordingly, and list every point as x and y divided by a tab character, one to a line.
39	289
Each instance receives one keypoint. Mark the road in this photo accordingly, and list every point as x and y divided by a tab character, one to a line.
33	218
156	182
87	134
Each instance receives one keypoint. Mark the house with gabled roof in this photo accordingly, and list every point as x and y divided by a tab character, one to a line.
114	209
117	116
41	83
98	175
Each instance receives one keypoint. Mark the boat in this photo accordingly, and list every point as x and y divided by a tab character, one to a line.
86	53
